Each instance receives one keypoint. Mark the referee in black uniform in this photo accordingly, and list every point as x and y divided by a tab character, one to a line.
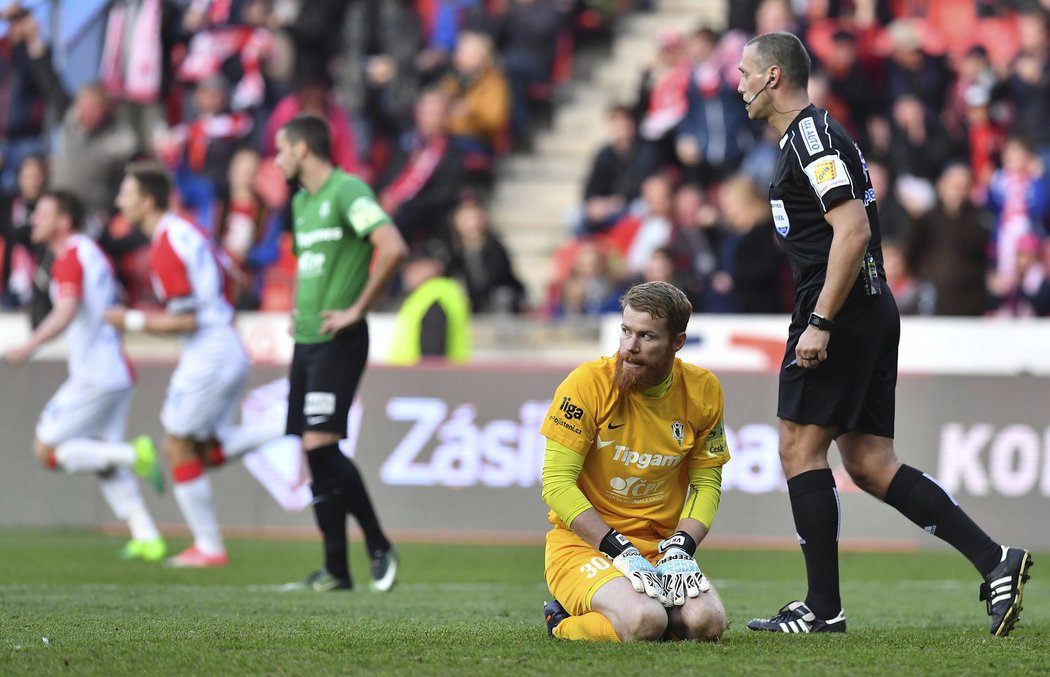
839	371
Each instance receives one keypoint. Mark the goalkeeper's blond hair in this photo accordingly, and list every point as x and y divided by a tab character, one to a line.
660	299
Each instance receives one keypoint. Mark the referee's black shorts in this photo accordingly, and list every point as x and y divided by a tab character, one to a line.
323	380
853	390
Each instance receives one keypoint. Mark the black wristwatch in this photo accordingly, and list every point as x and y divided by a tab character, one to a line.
821	322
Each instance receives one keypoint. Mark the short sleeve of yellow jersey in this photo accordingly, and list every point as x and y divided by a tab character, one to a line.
707	399
571	417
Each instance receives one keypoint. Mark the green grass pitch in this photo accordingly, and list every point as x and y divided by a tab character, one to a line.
472	609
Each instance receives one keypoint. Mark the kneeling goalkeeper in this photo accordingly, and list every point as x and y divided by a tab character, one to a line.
633	477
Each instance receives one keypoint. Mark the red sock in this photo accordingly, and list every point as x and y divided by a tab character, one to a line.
190	470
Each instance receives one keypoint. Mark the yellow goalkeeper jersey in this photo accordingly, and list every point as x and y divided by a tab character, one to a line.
637	448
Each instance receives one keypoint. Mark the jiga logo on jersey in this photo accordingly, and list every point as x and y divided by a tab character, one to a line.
570	410
678	432
325	209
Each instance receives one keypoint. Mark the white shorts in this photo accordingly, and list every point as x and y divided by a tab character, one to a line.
81	409
204	396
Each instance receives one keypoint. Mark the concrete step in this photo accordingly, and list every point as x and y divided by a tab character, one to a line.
565	169
536	194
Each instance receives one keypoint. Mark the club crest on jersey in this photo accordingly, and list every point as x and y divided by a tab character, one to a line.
678	432
325	209
810	137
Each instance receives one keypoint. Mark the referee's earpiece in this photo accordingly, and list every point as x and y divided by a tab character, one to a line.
770	80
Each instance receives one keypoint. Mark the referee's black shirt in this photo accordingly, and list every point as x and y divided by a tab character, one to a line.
819	167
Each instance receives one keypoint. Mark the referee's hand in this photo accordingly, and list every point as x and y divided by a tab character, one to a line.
812	348
334	320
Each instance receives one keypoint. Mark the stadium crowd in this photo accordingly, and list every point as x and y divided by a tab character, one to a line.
948	100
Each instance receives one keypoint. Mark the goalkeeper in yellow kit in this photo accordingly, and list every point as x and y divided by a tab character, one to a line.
633	477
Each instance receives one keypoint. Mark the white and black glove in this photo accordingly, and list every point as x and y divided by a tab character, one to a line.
632	564
680	577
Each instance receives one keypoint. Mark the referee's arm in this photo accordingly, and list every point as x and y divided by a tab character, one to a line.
849	223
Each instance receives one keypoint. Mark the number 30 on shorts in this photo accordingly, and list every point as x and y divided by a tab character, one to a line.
596	564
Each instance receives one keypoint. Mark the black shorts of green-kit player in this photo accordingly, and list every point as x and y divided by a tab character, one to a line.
322	383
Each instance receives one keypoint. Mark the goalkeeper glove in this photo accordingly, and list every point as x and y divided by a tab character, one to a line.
679	574
630	562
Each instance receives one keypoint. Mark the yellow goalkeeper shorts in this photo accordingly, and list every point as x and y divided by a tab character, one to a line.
574	570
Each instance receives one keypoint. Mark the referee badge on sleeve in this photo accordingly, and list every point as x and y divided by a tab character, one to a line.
826	173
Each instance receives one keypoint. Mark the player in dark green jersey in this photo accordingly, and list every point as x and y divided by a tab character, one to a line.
339	229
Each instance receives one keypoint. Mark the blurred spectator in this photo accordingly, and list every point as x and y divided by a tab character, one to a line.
314	95
92	151
199	151
616	176
851	84
311	26
592	285
136	68
647	226
912	296
1028	85
480	261
984	136
715	133
759	277
1019	197
375	74
434	318
661	268
528	39
235	47
21	100
477	88
26	271
695	242
663	97
920	145
776	15
975	81
425	175
894	219
948	247
442	21
1026	292
93	144
249	219
913	72
761	160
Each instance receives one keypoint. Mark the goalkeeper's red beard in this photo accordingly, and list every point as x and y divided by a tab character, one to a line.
634	375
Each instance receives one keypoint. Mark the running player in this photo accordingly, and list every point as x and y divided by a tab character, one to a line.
207	384
81	430
633	477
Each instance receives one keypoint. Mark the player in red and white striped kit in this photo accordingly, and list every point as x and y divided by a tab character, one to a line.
82	427
206	387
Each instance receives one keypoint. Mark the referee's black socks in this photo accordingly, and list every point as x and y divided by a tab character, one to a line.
815	506
345	479
922	500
